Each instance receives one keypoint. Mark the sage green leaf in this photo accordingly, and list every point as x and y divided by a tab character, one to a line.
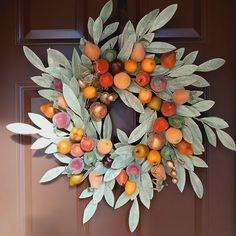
97	30
88	192
52	174
192	125
126	50
62	158
56	59
124	150
179	53
196	184
146	167
59	72
197	146
190	58
160	47
122	161
74	85
198	162
183	70
147	39
111	184
98	193
86	62
211	65
147	184
181	176
90	130
75	62
107	127
89	211
90	26
187	134
111	174
134	215
215	122
106	11
187	162
134	88
146	115
51	149
100	169
75	118
122	200
187	111
210	135
43	81
127	34
33	58
71	99
180	82
165	95
109	197
40	143
98	126
226	139
40	121
200	82
122	136
109	30
204	105
109	44
144	198
49	94
163	17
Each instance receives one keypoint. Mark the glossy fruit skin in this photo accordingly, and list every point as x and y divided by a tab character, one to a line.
145	96
116	67
158	172
138	52
181	96
122	178
90	159
100	66
61	119
122	80
133	169
57	85
141	151
92	51
168	60
87	144
168	109
106	80
173	135
154	157
76	134
131	66
48	110
109	55
130	187
184	148
148	65
158	83
155	141
62	102
160	124
64	146
76	150
95	180
98	111
107	161
142	79
167	153
176	121
155	103
104	146
76	179
89	92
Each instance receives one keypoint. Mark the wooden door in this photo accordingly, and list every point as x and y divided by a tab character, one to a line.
30	209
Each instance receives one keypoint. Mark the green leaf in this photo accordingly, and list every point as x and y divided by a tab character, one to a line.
211	65
144	198
126	50
86	62
187	134
122	136
179	53
106	11
187	162
107	127
215	122
163	17
134	215
200	82
40	121
62	158
183	70
33	58
97	30
187	111
122	200
127	34
109	197
210	135
134	88
109	44
44	81
196	184
190	58
21	128
124	150
75	62
109	30
86	193
198	162
98	193
98	126
160	47
226	139
59	72
204	105
181	176
51	149
89	211
52	174
90	26
122	161
75	118
147	184
74	85
180	82
56	59
193	126
146	115
197	146
111	174
40	143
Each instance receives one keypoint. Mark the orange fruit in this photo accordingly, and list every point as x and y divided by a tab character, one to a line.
89	92
64	146
160	125
101	66
130	187
142	78
76	134
62	102
154	157
181	96
138	52
104	146
106	80
122	80
131	66
173	135
168	109
184	148
145	96
122	178
141	151
168	60
148	65
48	110
92	51
155	103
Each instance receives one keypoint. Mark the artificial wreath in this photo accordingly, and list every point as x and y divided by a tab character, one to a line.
149	77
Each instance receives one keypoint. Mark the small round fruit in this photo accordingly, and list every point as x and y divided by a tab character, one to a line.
57	85
184	148
116	67
138	52
90	159
173	135
154	157
173	173
95	180
158	83
168	60
170	164
87	144
176	121
62	102
145	96
155	103
48	110
104	146
61	119
167	153
141	151
98	110
142	79
158	172
76	179
181	96
64	146
106	80
130	187
155	141
175	181
104	98
131	66
160	125
122	80
112	97
148	65
133	170
109	55
76	150
92	51
168	109
122	178
100	66
76	134
89	92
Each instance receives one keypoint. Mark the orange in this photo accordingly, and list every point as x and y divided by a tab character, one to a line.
142	78
181	96
89	92
145	96
138	52
184	148
106	80
130	187
48	110
62	102
122	80
92	51
168	109
160	125
155	103
154	157
173	135
148	65
64	146
76	134
168	60
131	66
101	66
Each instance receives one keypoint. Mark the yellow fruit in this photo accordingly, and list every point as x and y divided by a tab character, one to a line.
89	92
155	103
138	52
145	96
154	157
130	187
131	66
92	51
76	134
104	146
173	135
64	146
148	65
76	179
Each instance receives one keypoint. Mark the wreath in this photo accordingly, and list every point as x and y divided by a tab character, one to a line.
149	77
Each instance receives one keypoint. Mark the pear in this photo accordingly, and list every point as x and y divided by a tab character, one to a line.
138	53
92	51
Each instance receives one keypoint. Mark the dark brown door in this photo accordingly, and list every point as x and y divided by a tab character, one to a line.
30	209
